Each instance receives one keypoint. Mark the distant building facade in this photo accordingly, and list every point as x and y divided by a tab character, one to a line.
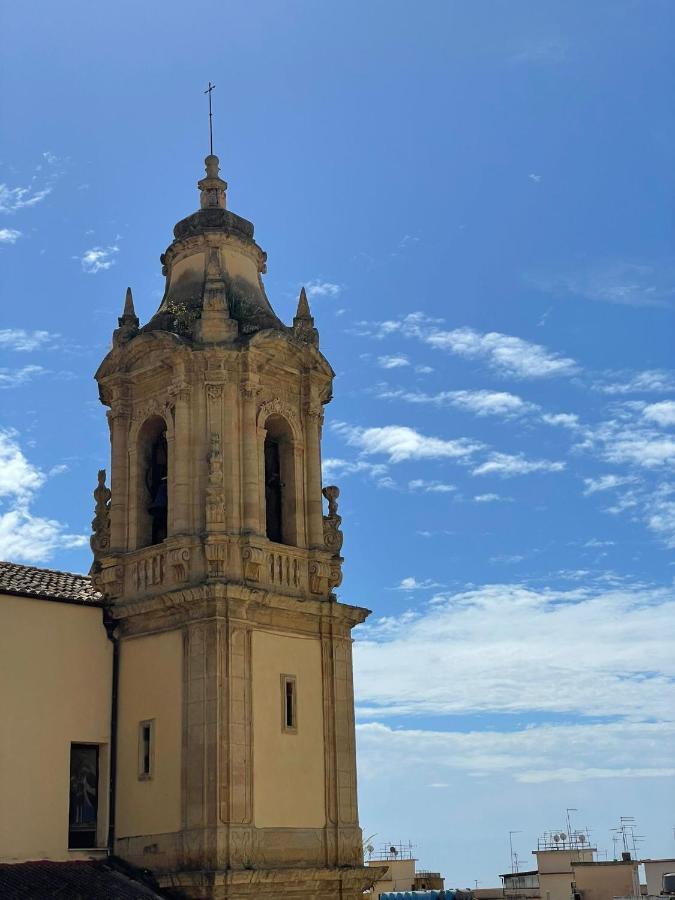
401	874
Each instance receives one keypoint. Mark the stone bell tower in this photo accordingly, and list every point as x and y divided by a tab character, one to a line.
235	759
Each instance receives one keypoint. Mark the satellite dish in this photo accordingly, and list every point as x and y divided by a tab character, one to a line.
556	838
581	838
370	849
563	836
393	851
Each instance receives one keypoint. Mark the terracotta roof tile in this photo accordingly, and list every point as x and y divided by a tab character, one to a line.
27	581
95	880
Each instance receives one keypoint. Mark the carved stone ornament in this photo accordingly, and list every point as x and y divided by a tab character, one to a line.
319	577
276	406
152	407
252	559
214	391
216	557
332	535
179	560
215	490
100	524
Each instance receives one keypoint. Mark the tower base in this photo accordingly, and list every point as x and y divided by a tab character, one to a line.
344	883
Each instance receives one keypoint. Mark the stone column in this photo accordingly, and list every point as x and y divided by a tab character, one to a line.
120	501
313	499
180	482
251	453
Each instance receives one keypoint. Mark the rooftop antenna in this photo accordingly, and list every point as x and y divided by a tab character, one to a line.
569	810
208	91
514	859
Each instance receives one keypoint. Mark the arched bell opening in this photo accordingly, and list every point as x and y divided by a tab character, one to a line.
281	504
153	484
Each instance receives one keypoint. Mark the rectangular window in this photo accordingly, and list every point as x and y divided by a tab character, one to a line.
146	749
289	704
83	812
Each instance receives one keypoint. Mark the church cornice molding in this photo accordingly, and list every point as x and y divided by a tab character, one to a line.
234	601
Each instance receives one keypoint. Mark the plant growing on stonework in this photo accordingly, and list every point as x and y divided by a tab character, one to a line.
183	316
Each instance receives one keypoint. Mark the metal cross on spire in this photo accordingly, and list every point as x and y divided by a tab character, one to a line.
208	91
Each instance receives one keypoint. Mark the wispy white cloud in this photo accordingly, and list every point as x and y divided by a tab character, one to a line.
618	282
622	663
649	381
11	378
507	465
98	259
506	354
431	487
336	468
18	477
393	362
399	443
22	341
662	413
317	288
480	403
606	483
13	199
492	498
9	235
619	442
563	420
412	584
659	513
23	535
508	559
534	755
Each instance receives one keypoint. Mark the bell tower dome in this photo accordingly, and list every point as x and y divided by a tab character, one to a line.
235	754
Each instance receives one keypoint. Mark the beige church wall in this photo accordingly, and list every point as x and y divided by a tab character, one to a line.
150	688
55	689
288	785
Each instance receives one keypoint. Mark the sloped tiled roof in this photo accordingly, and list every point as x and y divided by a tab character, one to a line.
82	880
48	584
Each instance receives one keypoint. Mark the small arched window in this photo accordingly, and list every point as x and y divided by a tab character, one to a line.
153	501
280	499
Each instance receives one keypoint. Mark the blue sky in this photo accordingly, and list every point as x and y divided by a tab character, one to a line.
479	198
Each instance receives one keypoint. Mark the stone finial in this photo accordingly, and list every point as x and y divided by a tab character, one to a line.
332	535
128	321
303	306
212	188
100	524
303	322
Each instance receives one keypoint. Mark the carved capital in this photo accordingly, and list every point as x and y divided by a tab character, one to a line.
214	391
179	560
250	390
252	561
216	557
